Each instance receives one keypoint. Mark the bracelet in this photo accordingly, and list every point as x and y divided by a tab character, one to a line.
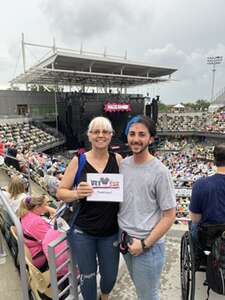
144	247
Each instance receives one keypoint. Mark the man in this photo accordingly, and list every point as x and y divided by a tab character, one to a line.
52	180
148	210
207	204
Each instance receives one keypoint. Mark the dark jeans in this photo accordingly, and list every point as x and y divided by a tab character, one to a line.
194	233
87	249
200	257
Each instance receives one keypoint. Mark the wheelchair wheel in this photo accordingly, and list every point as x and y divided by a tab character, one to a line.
187	268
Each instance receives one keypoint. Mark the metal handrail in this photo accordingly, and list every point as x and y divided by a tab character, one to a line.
16	222
2	252
72	276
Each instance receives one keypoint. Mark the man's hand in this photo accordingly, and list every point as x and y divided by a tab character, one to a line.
135	248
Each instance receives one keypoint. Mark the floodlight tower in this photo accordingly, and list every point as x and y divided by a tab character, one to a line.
214	60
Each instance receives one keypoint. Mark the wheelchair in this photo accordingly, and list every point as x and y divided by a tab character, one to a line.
194	259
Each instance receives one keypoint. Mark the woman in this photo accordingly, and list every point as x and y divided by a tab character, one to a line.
15	192
36	229
96	228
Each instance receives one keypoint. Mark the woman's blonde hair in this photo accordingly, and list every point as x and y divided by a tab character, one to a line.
100	123
29	203
16	187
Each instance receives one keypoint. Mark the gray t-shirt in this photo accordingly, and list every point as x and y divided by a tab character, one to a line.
148	190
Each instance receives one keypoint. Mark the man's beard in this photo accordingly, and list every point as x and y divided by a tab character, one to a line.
143	148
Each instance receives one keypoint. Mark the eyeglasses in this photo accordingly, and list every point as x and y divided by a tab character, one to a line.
98	132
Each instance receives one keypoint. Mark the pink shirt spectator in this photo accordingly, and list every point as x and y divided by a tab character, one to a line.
2	151
35	226
38	228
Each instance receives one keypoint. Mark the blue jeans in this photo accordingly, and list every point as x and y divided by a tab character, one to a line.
145	271
87	249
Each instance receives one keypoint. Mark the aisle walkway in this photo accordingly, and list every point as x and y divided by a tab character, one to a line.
9	278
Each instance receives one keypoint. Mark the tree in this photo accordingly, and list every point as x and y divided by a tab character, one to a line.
202	104
164	107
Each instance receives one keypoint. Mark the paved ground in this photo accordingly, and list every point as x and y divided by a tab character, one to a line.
170	281
9	278
170	284
124	289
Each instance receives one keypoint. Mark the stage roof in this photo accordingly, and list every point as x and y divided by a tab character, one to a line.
65	68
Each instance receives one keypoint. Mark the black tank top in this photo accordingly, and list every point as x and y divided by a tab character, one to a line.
98	218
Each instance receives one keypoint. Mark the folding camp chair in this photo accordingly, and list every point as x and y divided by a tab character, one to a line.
39	282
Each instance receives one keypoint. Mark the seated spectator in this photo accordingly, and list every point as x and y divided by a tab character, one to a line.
38	232
15	192
58	174
62	167
52	180
207	204
40	172
22	161
10	158
2	151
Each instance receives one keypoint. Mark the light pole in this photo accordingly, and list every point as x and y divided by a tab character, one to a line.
214	60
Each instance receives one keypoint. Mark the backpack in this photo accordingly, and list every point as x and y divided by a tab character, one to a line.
215	271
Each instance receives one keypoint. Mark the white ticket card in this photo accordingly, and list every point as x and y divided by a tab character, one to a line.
106	187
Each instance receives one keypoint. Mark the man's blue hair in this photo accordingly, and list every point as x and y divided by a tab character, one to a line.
131	122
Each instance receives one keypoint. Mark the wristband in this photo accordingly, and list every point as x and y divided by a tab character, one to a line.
144	247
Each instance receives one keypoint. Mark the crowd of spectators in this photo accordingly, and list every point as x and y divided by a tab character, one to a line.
186	162
19	140
42	168
172	145
199	121
217	123
186	159
46	170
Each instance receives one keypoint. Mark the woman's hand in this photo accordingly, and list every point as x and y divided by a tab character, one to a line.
50	210
42	209
83	190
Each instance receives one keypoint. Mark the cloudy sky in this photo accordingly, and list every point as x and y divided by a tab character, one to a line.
172	33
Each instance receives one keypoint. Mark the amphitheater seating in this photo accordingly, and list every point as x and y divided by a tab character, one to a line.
24	134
